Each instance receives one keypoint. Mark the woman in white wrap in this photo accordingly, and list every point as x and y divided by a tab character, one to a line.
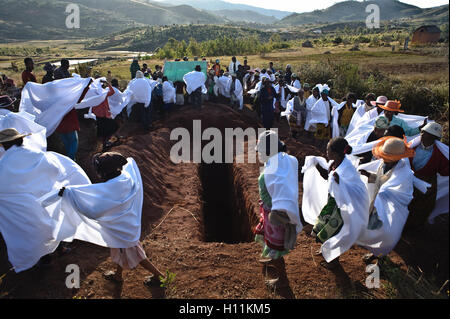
279	211
116	205
390	196
339	215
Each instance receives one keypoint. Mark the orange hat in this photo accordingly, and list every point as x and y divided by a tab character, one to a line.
392	149
393	106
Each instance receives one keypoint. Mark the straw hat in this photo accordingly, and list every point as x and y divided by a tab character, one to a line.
381	100
433	129
11	134
392	149
392	106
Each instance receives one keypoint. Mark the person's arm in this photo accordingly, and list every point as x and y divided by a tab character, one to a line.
24	78
443	168
84	92
372	177
322	171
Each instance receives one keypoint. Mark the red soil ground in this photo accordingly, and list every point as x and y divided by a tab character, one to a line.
173	234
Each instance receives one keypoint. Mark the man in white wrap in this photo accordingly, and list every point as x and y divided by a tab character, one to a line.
390	196
280	220
195	85
27	174
310	102
339	215
236	92
109	213
141	97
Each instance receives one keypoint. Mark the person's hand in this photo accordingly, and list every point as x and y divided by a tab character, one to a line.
424	123
365	173
61	192
336	177
323	172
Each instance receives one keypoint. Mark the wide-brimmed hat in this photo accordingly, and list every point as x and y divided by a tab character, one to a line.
381	100
6	101
392	149
392	106
433	129
11	134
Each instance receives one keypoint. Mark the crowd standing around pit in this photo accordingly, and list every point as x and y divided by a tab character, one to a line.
385	172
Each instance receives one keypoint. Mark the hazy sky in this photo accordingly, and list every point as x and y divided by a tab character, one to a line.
308	5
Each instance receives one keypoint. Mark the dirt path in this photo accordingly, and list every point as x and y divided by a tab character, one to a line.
173	234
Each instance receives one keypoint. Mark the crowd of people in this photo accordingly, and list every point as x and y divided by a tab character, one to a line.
385	172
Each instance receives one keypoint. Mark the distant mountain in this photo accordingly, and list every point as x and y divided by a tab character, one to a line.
245	16
217	5
355	11
45	19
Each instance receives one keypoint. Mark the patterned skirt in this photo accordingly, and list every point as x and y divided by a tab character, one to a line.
322	132
330	221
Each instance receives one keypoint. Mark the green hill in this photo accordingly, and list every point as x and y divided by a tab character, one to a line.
45	19
354	11
150	38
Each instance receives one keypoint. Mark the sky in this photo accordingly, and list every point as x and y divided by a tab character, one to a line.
308	5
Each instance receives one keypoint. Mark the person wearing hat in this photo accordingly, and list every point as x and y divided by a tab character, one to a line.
393	180
6	104
27	173
376	108
27	74
342	213
379	130
391	110
426	164
48	77
279	212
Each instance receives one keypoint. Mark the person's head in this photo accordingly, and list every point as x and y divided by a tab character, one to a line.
240	67
391	150
164	79
306	87
324	95
139	75
380	127
395	131
198	68
144	66
337	148
316	92
263	71
221	72
431	133
29	64
217	61
65	64
196	58
11	137
268	145
380	101
301	93
185	58
109	165
351	99
245	62
155	76
109	72
115	83
234	59
370	98
288	67
271	64
269	72
48	67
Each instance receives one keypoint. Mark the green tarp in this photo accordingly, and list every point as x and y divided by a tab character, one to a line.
176	70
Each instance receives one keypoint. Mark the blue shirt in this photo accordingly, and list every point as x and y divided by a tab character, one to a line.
408	131
423	155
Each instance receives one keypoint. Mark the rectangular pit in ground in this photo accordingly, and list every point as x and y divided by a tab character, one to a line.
226	218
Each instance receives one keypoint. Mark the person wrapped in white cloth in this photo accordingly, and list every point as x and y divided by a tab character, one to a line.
28	173
390	195
116	206
335	201
279	212
195	85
